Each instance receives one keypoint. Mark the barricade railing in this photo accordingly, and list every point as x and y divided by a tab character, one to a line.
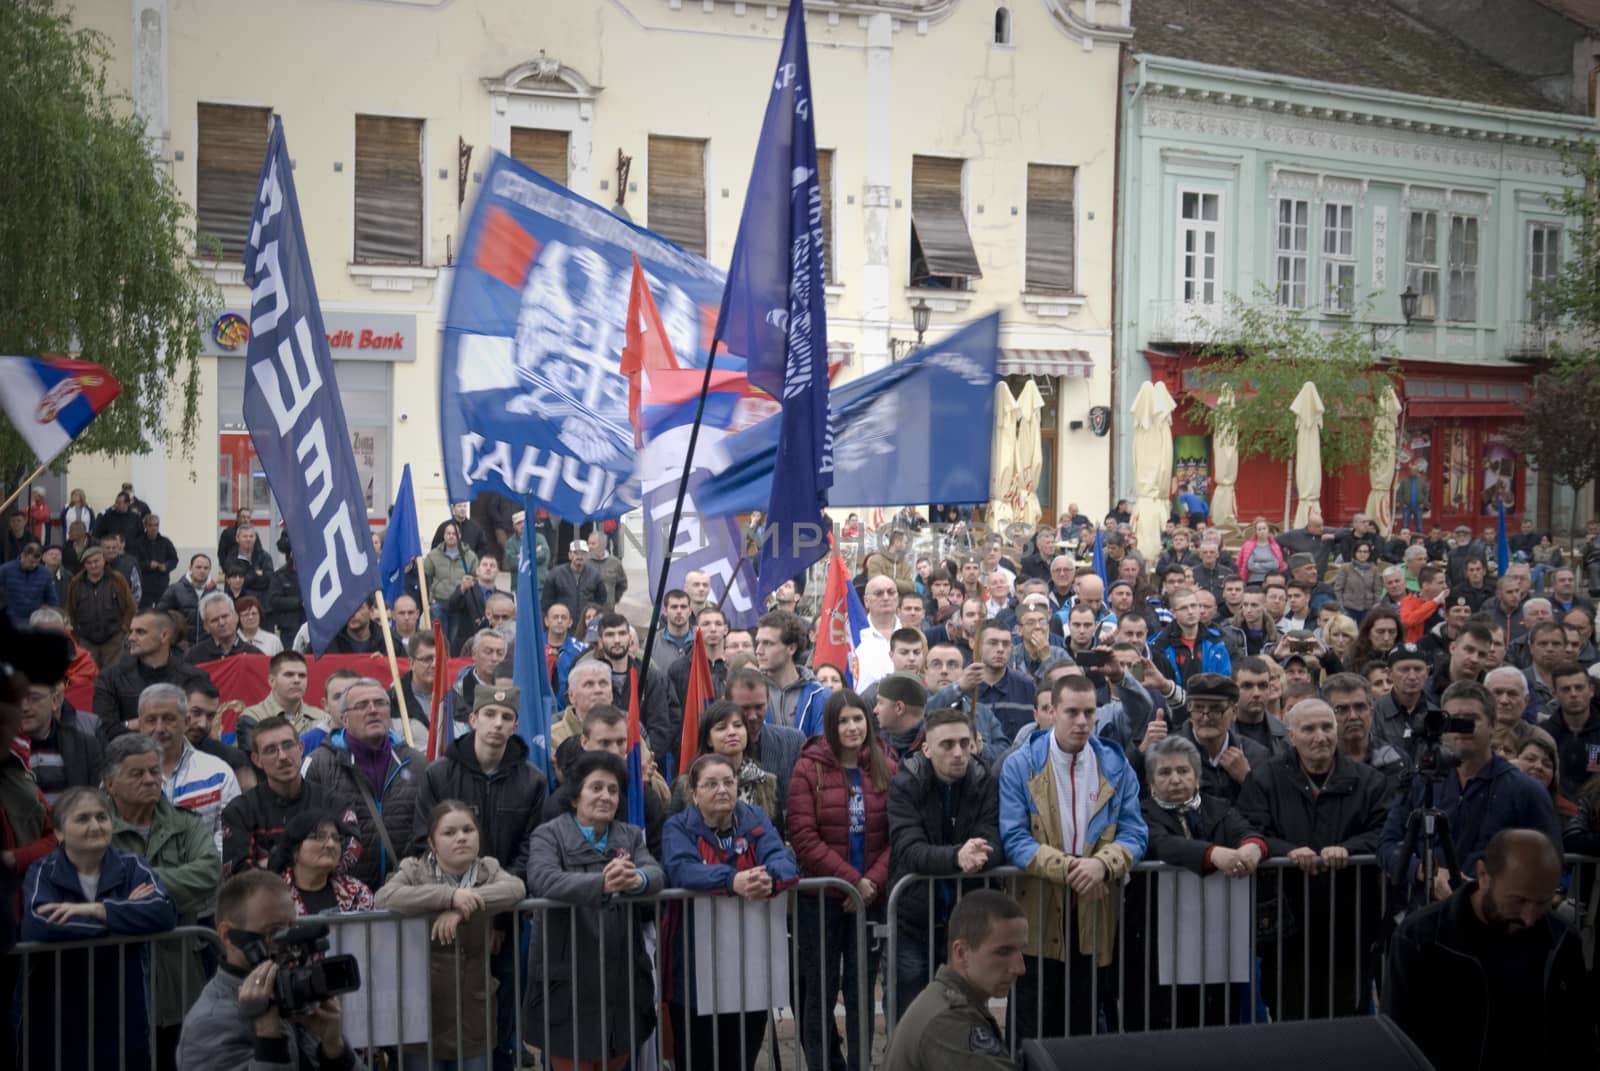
600	974
1276	943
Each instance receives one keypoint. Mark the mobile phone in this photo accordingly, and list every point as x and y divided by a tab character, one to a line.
1300	645
1090	659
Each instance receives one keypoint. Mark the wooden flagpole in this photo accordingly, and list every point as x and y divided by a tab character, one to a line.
394	669
25	485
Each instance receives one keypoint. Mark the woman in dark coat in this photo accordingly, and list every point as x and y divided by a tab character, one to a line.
1205	835
592	956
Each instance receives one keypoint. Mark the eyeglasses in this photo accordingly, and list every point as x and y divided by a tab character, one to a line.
369	704
1206	712
422	660
1342	709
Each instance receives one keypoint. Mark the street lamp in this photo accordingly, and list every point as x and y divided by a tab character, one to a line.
1383	334
921	312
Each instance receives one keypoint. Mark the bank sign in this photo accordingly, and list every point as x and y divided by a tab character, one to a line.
352	336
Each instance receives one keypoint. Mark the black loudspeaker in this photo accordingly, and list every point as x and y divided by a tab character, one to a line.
1371	1044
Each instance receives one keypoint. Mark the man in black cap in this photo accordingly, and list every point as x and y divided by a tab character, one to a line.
1400	712
1435	644
1466	549
1303	567
901	702
1226	758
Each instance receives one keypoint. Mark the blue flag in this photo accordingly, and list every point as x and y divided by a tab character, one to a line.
1502	546
1099	560
774	312
293	411
402	541
915	432
529	671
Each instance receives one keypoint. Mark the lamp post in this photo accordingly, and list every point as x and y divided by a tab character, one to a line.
921	312
1383	334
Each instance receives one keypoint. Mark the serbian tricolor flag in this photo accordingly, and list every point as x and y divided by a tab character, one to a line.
438	715
636	785
52	399
697	697
843	620
645	348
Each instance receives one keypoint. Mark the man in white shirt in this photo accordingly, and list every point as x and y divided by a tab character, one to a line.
873	657
199	783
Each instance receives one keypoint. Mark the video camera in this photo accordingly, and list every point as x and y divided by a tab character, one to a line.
1433	759
305	976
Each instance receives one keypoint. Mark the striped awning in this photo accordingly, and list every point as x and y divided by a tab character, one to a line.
1075	363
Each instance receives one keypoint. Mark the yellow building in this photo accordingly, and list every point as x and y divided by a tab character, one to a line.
969	163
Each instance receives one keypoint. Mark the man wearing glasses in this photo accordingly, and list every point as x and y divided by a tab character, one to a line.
1226	757
254	822
1350	696
367	763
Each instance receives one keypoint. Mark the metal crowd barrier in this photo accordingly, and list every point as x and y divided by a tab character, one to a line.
760	961
1311	948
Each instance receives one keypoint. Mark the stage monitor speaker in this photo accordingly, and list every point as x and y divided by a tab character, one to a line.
1371	1044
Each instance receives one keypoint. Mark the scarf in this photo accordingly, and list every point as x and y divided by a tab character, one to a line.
1188	806
467	880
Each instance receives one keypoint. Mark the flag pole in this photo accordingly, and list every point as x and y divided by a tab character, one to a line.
394	668
422	589
677	509
36	473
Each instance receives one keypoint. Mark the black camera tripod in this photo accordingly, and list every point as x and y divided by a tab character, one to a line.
1424	824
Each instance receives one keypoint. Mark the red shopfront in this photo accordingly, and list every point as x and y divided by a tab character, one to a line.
1455	434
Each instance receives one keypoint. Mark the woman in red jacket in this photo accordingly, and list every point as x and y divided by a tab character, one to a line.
839	828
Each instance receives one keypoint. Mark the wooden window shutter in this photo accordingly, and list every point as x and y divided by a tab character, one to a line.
543	150
825	185
388	190
233	146
676	194
1050	227
938	224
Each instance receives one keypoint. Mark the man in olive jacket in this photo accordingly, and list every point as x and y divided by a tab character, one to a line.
180	849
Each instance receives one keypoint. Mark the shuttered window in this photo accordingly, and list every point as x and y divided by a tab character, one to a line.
543	150
1051	257
388	190
825	186
676	197
941	248
233	146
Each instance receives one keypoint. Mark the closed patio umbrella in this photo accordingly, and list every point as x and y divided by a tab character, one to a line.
1002	457
1380	470
1225	460
1307	409
1152	465
1030	454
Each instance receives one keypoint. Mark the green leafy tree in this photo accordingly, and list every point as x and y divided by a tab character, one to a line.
95	242
1560	433
1267	354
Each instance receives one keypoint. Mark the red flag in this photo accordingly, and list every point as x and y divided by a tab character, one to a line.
646	347
834	645
438	734
635	754
697	697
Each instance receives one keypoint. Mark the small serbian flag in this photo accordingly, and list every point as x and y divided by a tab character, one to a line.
52	399
636	786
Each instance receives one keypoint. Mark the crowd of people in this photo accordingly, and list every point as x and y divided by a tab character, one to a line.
1233	701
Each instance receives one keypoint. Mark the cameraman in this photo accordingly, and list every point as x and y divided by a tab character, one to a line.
1481	796
217	1033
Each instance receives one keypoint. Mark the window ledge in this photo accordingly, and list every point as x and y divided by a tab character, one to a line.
401	277
222	274
1053	306
941	300
833	294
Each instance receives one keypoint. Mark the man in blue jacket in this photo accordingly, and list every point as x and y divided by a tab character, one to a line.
1484	795
1187	647
1082	796
26	586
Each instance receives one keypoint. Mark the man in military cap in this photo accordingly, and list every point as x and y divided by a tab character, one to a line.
949	1024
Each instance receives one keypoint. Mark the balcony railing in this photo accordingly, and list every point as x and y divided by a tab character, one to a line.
1539	339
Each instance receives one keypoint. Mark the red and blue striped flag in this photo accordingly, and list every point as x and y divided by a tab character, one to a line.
636	786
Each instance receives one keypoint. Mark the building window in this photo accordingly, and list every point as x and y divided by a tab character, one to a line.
676	194
1002	26
1544	265
1422	262
1199	242
233	144
1291	248
1338	258
543	150
1463	269
941	249
825	188
388	190
1050	261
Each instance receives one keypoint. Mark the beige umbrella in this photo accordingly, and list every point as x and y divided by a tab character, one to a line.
1030	454
1307	409
1152	465
1380	469
1002	457
1225	462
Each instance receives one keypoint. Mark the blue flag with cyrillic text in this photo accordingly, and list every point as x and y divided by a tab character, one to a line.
774	314
293	411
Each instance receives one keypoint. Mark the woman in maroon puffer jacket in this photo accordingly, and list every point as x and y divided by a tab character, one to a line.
838	828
